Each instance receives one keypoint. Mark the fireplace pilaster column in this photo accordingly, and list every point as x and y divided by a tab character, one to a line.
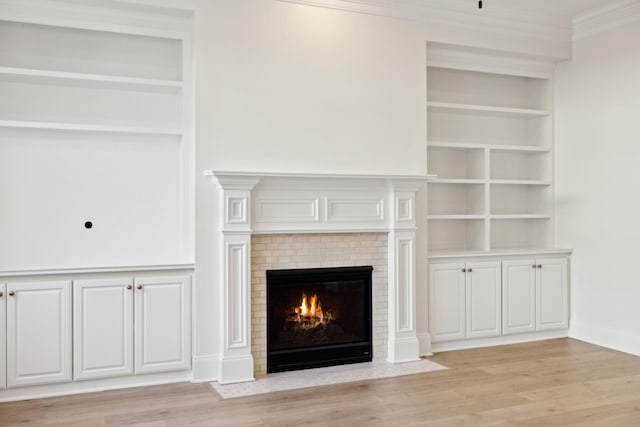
403	341
236	361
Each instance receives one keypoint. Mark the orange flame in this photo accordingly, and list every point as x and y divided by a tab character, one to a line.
309	313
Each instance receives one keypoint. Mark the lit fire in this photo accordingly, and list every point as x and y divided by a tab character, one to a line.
309	313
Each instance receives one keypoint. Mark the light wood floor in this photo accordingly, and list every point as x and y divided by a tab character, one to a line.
558	382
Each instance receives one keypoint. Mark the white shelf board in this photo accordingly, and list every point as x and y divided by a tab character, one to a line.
27	75
86	270
481	146
520	216
456	181
499	252
460	217
489	110
89	128
519	182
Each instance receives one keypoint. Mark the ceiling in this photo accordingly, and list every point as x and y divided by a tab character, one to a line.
567	8
555	20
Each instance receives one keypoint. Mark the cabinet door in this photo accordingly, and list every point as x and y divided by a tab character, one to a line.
102	328
518	296
483	299
552	283
162	324
38	333
3	335
446	302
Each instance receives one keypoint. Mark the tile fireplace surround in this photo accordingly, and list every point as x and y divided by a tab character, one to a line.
297	221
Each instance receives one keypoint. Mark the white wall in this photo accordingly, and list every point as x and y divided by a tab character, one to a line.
598	176
283	87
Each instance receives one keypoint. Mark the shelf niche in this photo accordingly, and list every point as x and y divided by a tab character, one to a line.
490	142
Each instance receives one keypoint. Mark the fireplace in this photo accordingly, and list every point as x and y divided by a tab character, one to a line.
318	317
255	204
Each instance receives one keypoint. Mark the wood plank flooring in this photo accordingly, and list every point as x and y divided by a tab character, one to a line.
558	382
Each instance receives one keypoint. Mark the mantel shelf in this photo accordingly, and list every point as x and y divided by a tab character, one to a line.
450	107
28	75
80	127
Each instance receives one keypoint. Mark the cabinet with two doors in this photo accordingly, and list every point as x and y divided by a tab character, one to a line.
54	331
488	299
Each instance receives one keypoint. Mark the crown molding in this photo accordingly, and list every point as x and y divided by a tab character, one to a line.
461	13
123	16
441	55
608	17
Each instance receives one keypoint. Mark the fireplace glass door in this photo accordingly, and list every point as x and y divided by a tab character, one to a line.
318	317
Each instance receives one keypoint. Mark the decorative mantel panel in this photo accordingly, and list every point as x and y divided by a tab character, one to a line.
299	203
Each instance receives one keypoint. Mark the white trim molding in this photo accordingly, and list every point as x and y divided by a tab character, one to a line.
474	59
253	203
113	16
461	13
611	16
234	266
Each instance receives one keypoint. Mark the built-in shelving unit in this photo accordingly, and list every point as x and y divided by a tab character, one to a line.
490	145
96	124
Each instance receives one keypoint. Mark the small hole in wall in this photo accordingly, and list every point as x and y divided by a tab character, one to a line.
88	225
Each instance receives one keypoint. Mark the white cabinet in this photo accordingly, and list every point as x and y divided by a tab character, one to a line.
102	328
535	295
552	294
519	296
464	300
447	301
38	333
503	301
3	336
163	319
483	292
107	341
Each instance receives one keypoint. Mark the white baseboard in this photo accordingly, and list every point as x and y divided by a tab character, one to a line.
424	344
91	386
500	340
605	337
206	368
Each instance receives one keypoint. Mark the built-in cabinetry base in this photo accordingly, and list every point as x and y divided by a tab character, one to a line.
486	300
102	384
500	340
88	331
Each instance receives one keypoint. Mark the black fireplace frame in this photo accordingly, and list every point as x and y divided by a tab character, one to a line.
321	355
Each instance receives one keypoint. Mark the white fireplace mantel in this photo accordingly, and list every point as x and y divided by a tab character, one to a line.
262	203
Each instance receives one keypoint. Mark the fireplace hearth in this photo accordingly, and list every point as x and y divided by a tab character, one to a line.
318	317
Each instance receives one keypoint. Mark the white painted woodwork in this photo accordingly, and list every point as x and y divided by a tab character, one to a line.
552	293
102	328
39	342
518	296
490	142
3	335
447	301
497	300
234	269
162	324
306	203
403	342
116	103
483	299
